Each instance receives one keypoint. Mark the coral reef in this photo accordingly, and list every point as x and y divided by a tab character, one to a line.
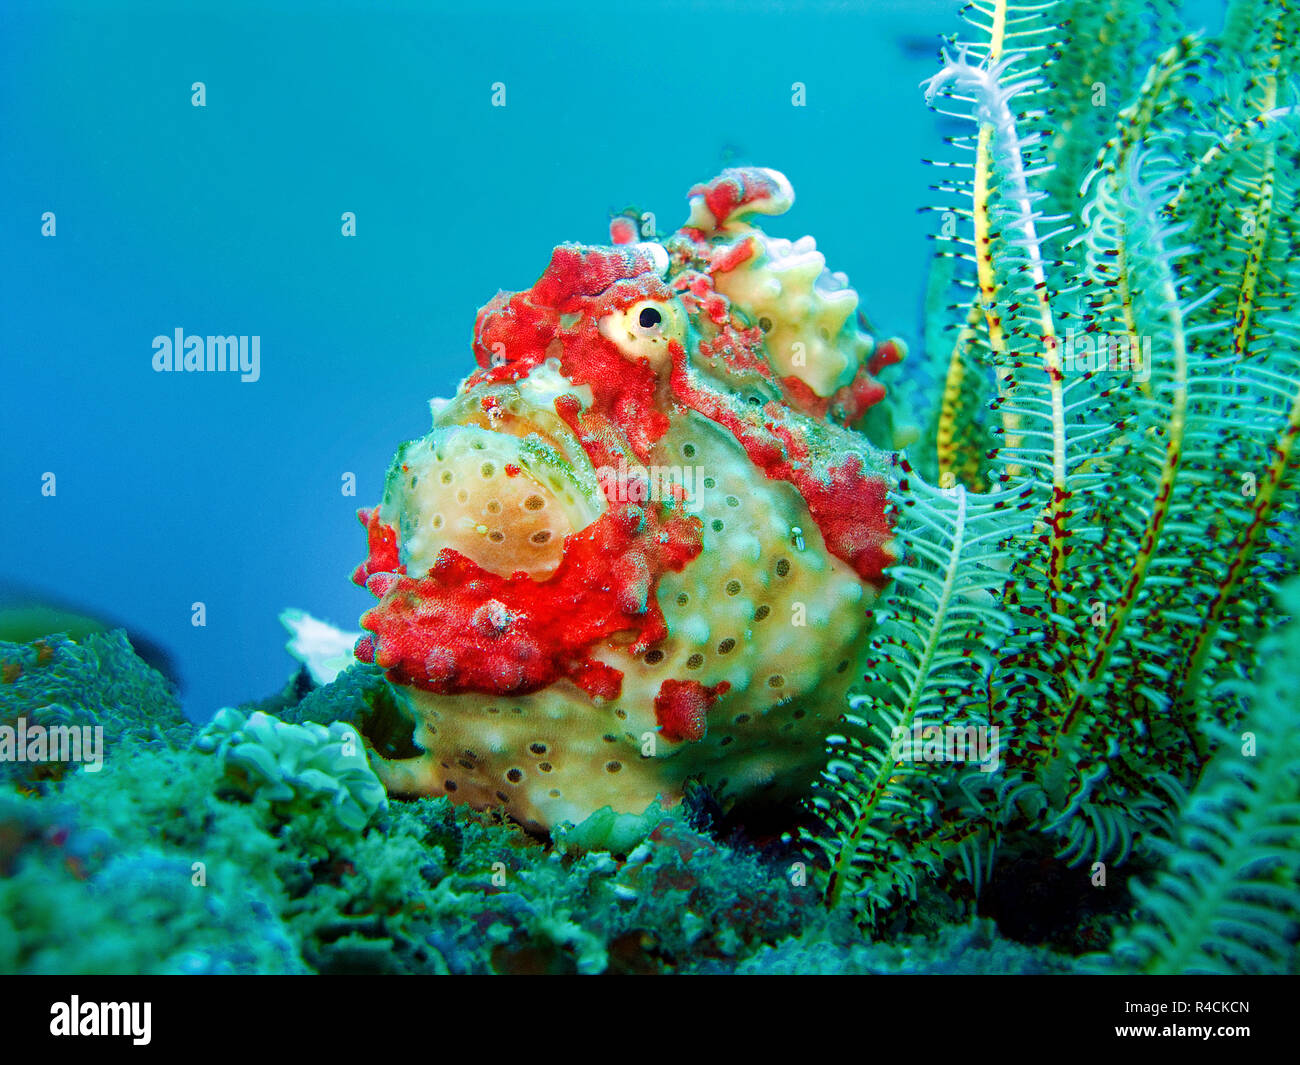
641	544
959	950
76	898
178	871
68	689
296	767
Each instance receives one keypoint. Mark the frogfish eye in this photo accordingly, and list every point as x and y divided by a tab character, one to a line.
646	330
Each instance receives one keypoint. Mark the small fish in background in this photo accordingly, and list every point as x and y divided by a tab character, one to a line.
27	615
922	45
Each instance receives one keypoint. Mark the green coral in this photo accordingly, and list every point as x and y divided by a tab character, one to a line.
82	888
241	863
360	696
297	767
606	830
974	949
94	681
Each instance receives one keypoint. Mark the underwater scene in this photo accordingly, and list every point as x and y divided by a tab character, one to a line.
697	488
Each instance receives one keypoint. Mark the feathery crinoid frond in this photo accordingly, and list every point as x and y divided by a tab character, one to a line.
1240	201
1167	544
1146	452
1050	425
1227	897
893	812
1138	354
1098	757
960	430
1038	82
1007	47
1111	44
